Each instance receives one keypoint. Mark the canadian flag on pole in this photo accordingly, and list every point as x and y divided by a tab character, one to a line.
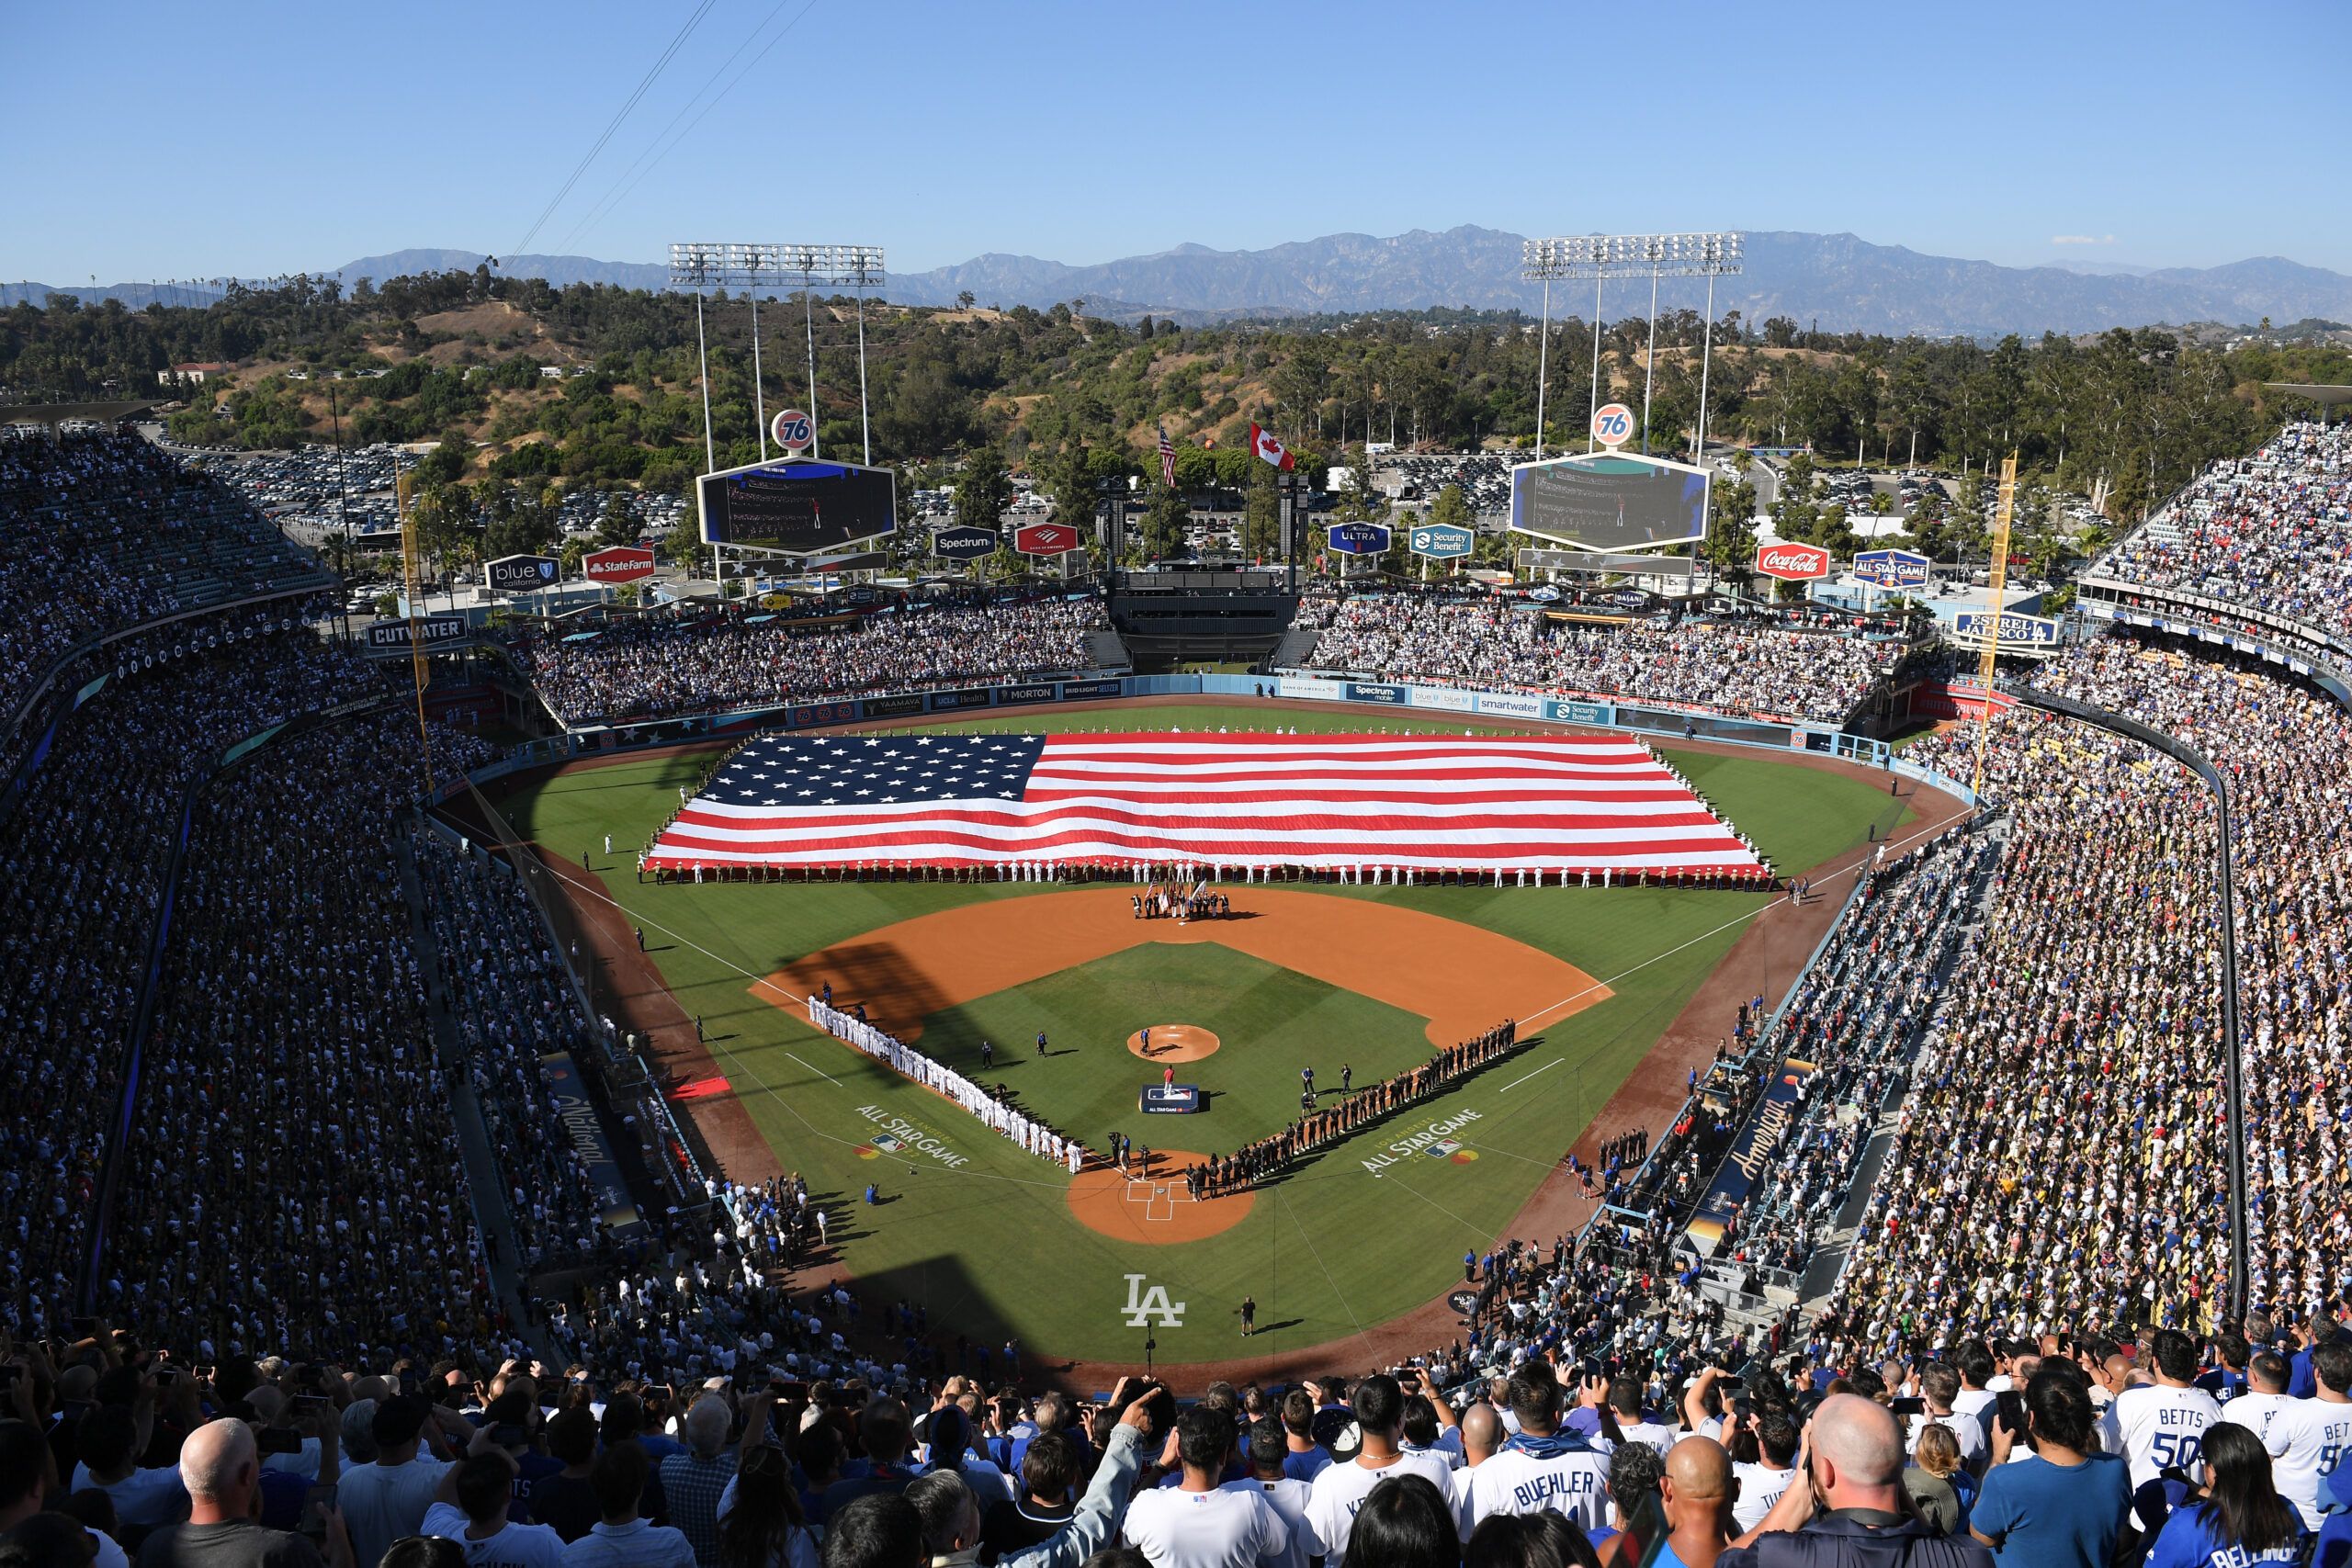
1262	442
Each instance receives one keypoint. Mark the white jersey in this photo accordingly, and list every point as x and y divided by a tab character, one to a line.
514	1546
1514	1481
1341	1490
2254	1411
2306	1438
1229	1528
2158	1428
1966	1430
1288	1499
1759	1487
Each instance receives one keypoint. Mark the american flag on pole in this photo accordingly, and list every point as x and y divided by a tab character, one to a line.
1167	459
1538	802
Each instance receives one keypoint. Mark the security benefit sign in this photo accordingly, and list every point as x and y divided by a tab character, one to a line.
1440	541
1751	1154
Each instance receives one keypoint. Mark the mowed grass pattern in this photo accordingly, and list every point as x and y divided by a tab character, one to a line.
989	1245
1269	1023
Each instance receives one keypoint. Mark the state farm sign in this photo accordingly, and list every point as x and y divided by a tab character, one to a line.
1792	563
619	563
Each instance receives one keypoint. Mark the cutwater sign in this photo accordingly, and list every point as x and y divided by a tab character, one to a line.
1891	569
391	637
1440	541
1359	538
2020	631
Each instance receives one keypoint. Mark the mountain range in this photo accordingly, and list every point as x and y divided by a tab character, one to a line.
1836	281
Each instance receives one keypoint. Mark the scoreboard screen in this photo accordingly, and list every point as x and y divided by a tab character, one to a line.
1612	501
796	506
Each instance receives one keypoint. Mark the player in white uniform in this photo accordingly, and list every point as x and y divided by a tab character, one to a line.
1341	1490
1541	1467
2307	1436
2161	1426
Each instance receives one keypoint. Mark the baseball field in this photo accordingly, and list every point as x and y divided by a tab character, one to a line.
1349	1255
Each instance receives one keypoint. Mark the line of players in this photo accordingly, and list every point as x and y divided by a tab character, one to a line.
1315	1129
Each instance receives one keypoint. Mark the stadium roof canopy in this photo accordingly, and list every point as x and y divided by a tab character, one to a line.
55	414
2323	395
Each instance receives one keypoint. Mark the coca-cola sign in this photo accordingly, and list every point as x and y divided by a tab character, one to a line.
619	563
1792	563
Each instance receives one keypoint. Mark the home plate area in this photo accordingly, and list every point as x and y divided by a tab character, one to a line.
1159	1209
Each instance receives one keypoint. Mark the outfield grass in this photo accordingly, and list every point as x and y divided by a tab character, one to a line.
990	1244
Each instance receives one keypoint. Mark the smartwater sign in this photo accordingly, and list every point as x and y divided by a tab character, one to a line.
1511	704
2014	630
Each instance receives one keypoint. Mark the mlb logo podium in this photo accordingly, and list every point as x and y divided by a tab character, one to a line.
1175	1099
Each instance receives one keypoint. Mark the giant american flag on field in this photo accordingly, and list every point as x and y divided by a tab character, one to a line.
1541	802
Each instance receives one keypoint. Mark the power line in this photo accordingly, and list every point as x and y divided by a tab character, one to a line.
653	155
644	84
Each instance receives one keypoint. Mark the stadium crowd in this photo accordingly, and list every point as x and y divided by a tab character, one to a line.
654	668
2272	531
1743	667
106	532
2286	753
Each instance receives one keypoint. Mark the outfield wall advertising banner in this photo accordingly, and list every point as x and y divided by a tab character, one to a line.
1303	686
1510	703
1359	693
1445	698
892	707
978	697
821	713
1074	690
1580	713
1037	692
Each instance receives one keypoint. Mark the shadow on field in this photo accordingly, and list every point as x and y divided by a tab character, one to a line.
898	992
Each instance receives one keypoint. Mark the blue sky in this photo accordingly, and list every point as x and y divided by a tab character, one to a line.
154	141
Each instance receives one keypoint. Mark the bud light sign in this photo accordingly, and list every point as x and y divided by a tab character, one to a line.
1891	569
1792	563
1359	538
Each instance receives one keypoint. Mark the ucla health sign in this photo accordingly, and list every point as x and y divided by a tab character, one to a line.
2014	631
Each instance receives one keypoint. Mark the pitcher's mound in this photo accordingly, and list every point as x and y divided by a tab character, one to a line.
1173	1043
1159	1209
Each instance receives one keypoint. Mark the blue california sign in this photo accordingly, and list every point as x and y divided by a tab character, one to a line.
1440	541
1359	538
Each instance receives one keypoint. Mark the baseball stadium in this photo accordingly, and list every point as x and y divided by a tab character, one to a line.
1383	903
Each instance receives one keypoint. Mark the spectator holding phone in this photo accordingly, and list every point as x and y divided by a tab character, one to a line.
2065	1507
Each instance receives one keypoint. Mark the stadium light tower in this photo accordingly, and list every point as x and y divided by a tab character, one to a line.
1596	257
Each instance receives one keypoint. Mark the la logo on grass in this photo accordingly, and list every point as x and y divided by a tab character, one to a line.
1144	1305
